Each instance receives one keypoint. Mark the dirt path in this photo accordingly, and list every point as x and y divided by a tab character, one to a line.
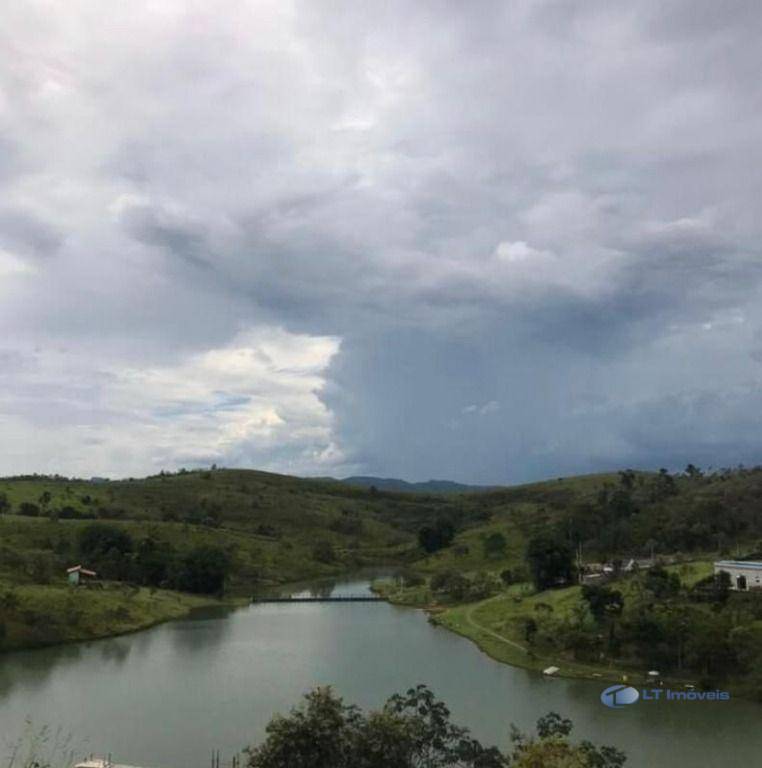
481	628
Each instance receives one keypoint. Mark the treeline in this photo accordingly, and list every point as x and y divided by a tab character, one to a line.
662	512
115	555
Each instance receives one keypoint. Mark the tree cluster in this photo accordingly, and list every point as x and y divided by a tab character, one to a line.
114	553
412	730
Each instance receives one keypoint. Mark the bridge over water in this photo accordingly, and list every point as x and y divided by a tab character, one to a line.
320	599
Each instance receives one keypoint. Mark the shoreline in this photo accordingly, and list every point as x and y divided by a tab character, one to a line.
504	650
166	606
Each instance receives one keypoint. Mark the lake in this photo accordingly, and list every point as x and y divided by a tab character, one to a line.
170	695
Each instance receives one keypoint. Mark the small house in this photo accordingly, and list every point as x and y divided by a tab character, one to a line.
744	574
77	573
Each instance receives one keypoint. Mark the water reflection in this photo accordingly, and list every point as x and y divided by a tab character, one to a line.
203	632
170	695
116	650
31	669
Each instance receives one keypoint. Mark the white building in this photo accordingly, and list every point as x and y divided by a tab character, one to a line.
744	574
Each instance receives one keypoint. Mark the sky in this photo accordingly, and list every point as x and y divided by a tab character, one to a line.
490	242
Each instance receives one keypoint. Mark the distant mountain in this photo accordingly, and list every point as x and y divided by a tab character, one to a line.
430	486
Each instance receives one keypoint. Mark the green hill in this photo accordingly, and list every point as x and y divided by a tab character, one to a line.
274	529
428	486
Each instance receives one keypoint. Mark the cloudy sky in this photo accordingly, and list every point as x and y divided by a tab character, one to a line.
483	241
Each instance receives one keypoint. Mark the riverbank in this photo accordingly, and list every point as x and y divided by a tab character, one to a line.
496	626
34	616
504	646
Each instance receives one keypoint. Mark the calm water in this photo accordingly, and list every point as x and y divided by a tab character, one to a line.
168	696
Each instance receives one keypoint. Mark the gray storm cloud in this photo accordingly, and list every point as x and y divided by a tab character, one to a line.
482	241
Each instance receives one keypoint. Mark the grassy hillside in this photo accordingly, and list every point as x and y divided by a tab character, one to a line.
36	614
427	486
276	529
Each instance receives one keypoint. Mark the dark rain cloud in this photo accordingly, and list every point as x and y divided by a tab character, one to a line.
531	228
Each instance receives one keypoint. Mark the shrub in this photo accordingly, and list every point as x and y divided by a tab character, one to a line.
29	509
203	570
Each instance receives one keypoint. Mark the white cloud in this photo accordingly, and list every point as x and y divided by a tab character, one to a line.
516	251
10	264
257	394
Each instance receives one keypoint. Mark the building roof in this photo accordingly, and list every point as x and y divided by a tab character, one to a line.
82	570
739	564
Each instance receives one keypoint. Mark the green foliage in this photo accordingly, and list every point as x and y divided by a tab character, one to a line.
412	730
714	589
154	562
100	538
661	583
455	586
435	537
550	561
529	629
495	545
450	583
203	571
323	552
602	601
412	579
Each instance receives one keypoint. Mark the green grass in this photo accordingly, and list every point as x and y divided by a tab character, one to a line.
496	624
269	525
49	614
693	571
467	555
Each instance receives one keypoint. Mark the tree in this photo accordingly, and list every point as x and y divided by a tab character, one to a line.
412	729
451	583
602	601
153	562
494	545
664	486
550	561
204	570
438	536
99	538
530	629
323	552
662	583
29	509
552	749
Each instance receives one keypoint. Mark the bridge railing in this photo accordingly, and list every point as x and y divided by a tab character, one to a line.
356	598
